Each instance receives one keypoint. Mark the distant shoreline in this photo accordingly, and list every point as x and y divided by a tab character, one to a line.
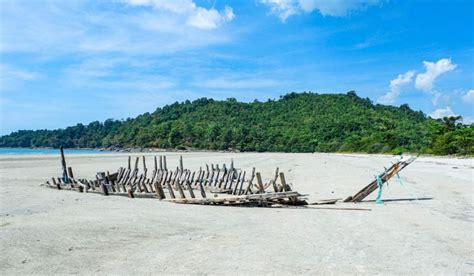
4	151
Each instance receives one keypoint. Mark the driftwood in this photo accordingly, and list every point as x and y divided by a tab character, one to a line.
384	177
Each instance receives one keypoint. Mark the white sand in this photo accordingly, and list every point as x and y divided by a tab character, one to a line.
48	231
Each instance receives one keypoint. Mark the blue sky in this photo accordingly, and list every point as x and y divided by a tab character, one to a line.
65	62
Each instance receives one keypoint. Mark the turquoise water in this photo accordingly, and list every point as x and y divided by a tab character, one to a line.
47	151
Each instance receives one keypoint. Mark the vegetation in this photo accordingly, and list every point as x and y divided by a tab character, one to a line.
297	122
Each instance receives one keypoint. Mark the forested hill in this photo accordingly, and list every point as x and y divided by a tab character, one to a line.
297	122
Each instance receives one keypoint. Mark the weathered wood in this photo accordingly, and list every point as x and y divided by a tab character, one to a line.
285	186
57	185
181	167
63	164
164	163
384	177
261	189
180	188
130	192
144	167
69	171
104	189
249	186
273	182
241	185
159	187
112	182
237	183
188	183
201	187
129	163
135	167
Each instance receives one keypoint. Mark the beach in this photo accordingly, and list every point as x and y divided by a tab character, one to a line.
424	226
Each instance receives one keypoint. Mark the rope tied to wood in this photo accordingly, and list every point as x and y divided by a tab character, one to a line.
378	200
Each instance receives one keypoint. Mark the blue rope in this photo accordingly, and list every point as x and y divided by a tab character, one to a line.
378	200
400	180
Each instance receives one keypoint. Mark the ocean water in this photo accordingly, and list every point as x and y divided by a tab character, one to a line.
47	151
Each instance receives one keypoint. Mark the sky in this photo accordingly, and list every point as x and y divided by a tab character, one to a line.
69	62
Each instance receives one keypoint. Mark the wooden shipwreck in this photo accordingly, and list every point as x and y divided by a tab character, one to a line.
210	185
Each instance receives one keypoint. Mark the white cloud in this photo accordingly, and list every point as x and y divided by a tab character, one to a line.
282	8
425	81
442	112
197	17
115	74
395	86
286	8
8	72
469	97
10	76
132	27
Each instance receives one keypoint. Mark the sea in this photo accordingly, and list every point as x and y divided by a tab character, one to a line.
47	151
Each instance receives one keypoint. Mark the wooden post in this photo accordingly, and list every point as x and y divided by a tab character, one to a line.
180	188
181	167
159	186
164	163
112	182
237	183
130	192
104	189
188	183
217	179
286	187
129	162
144	166
63	163
136	163
56	184
260	183
241	184
201	187
69	171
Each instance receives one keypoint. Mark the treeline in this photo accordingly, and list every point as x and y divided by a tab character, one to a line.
297	122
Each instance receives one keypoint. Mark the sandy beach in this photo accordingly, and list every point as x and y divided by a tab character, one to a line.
48	231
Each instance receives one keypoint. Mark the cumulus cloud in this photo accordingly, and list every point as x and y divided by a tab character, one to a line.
442	112
425	81
469	97
197	17
286	8
395	86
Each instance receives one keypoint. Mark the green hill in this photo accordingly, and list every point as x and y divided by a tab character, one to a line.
297	122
